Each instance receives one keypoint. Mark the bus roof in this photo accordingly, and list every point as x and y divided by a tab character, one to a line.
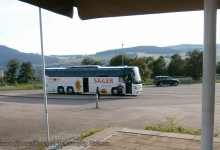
93	66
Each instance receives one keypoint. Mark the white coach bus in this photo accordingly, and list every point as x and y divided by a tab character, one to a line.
81	79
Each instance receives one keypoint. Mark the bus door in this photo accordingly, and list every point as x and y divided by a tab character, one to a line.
85	85
128	83
127	80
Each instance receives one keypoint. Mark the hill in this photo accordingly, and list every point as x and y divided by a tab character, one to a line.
140	51
183	48
7	53
188	47
144	49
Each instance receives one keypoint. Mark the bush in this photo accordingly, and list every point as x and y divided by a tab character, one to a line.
172	127
90	132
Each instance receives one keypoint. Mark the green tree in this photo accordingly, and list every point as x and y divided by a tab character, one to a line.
98	63
90	61
1	78
150	61
193	64
141	63
175	67
218	67
26	72
13	65
135	61
117	60
159	66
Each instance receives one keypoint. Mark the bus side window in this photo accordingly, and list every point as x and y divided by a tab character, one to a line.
60	73
122	79
126	78
72	73
90	73
86	73
49	73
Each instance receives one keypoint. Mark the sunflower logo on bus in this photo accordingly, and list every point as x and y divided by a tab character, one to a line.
78	85
103	91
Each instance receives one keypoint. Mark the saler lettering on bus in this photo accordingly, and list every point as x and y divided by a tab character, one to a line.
103	80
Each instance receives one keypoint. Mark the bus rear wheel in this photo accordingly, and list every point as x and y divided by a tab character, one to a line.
114	91
60	90
70	90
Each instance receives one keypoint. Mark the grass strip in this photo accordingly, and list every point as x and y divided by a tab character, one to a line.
22	87
90	132
172	127
182	82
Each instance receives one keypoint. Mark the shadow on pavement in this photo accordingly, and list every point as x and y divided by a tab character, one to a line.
61	99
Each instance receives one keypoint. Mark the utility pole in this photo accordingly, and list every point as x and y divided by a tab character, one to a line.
44	78
122	62
2	75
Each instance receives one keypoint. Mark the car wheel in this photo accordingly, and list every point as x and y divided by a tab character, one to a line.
114	91
70	90
161	83
60	90
175	83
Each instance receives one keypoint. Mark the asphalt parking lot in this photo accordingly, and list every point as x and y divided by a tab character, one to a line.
23	118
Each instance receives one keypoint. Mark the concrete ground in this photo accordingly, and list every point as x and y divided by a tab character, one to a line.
116	138
22	116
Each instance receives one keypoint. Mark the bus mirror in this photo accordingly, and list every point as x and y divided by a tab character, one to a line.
142	71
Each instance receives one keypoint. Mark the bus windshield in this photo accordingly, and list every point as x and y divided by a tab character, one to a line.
136	75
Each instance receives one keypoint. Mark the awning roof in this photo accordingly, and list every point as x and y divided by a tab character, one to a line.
89	9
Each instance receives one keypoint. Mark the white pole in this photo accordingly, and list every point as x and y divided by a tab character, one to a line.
122	56
209	65
44	79
97	102
2	74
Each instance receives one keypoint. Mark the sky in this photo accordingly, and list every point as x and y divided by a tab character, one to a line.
20	30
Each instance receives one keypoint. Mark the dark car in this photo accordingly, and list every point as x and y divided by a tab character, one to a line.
161	80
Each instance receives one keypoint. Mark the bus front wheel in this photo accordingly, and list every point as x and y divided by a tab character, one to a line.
60	90
114	91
